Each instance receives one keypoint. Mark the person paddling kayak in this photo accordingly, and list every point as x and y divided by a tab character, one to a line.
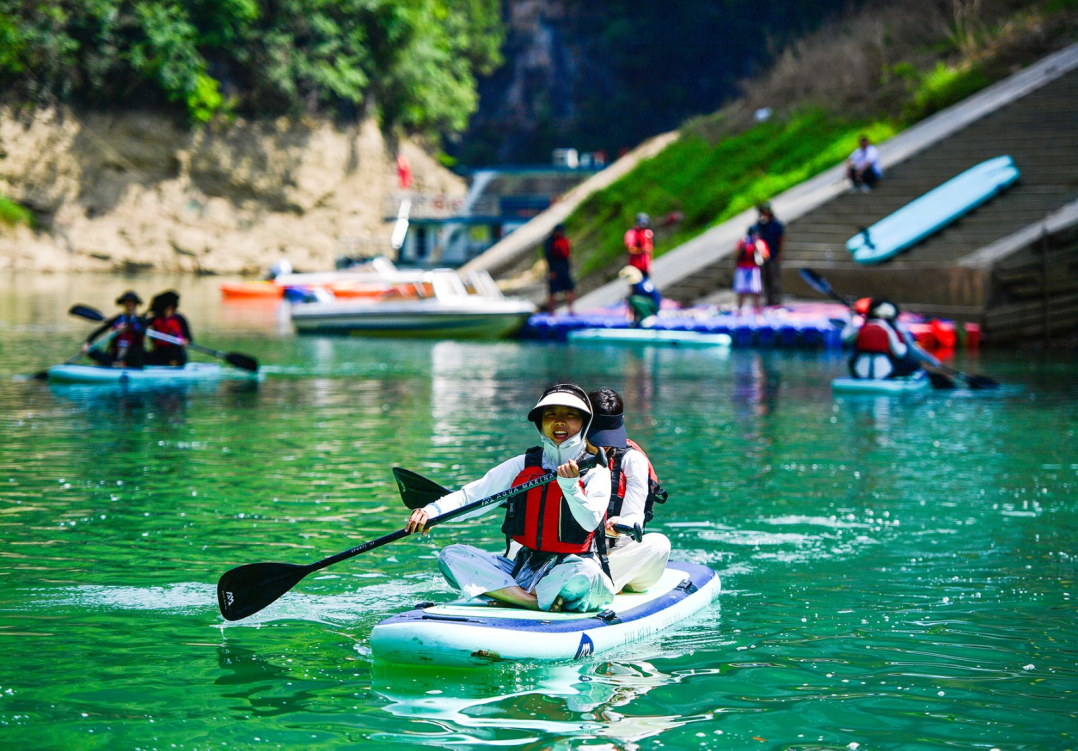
164	319
552	527
126	348
637	561
881	347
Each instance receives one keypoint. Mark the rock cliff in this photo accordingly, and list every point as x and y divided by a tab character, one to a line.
133	191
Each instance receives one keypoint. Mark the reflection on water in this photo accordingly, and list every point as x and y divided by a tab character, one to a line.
565	701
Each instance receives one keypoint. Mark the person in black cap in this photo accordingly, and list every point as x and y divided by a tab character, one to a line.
125	349
636	560
164	319
550	530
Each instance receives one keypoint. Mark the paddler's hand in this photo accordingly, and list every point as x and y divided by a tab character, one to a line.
569	469
610	531
417	522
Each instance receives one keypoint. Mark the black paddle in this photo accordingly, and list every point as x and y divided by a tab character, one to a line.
236	359
43	375
939	380
245	590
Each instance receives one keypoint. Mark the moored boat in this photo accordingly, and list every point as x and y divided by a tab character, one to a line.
882	386
444	306
471	632
650	336
151	374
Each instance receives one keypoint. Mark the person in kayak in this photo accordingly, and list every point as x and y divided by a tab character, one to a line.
550	561
164	319
636	560
125	350
881	347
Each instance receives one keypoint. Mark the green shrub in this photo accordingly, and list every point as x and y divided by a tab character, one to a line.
12	213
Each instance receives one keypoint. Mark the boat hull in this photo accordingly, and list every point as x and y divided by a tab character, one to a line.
657	337
473	633
192	372
420	319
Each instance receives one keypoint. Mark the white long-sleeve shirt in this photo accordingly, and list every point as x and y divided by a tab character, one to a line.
634	466
587	497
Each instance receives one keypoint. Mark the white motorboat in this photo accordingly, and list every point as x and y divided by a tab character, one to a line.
440	304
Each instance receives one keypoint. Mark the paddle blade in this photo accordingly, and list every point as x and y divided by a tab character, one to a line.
940	381
416	490
245	590
981	382
241	361
85	311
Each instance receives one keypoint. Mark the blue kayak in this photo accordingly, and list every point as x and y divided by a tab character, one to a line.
933	211
882	386
192	372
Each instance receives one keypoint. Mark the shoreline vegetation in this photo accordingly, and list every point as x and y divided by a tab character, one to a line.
875	72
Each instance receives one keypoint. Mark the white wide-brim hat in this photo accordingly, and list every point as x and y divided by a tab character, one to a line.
562	395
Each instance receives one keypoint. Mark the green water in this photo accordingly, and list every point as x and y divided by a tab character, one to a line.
897	573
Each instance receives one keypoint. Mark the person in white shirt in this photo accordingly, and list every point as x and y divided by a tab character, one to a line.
863	166
550	561
635	560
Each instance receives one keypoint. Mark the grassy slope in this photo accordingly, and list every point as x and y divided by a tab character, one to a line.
12	213
709	180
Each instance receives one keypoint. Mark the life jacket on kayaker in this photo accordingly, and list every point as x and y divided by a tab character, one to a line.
129	328
656	493
541	519
880	349
165	320
640	242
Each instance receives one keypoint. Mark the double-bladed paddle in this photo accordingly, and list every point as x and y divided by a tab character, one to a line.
939	380
245	590
236	359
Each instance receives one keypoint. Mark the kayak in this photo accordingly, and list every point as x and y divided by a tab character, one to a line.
472	632
932	211
151	374
907	385
651	336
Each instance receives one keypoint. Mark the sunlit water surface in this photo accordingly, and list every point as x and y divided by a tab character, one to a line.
897	573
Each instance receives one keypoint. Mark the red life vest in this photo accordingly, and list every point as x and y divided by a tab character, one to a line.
541	518
873	338
656	494
170	326
644	241
131	336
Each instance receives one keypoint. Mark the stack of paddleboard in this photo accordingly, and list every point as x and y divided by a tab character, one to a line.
933	211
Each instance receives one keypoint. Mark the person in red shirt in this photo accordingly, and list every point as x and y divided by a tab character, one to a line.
559	276
640	242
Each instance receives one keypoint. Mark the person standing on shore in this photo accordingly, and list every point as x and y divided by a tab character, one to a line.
559	275
773	233
640	242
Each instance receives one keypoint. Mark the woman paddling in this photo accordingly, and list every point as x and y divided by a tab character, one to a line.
126	348
551	527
